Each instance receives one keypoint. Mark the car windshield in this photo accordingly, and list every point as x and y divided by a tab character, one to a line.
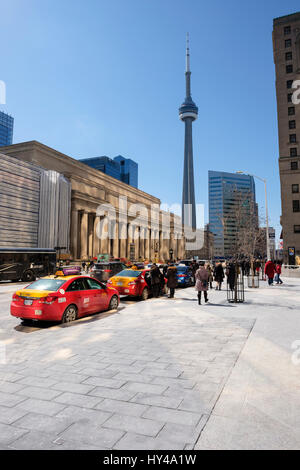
46	284
129	273
181	269
102	266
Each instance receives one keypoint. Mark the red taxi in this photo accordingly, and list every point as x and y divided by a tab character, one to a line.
133	282
63	297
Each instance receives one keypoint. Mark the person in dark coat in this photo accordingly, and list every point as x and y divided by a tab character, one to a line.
202	277
155	276
270	271
230	273
172	280
219	275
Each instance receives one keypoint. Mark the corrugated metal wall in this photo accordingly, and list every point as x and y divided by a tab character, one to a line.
54	226
19	202
35	205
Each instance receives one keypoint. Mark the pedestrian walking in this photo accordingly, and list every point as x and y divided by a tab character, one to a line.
155	276
83	264
210	275
278	272
172	280
202	277
270	271
219	275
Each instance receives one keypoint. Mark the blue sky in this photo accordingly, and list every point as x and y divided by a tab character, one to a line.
107	77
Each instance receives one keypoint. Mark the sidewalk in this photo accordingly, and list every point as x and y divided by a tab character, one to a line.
259	407
160	374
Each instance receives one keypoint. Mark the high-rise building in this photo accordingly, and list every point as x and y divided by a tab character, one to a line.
6	129
286	45
188	112
224	192
123	169
129	170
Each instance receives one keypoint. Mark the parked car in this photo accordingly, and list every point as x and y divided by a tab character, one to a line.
186	262
134	283
63	298
185	276
103	271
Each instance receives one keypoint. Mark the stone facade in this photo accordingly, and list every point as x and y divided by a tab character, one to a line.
90	189
286	44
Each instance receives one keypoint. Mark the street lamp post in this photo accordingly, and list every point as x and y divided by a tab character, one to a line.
266	204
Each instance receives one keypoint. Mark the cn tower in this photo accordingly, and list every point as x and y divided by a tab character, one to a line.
188	112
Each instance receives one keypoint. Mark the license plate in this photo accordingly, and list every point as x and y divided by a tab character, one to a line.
28	302
119	283
126	290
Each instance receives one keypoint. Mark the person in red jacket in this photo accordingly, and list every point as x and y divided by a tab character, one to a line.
270	271
278	272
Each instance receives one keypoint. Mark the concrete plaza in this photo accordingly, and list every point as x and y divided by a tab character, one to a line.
160	374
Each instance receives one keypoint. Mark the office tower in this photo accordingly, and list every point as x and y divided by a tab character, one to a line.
286	45
6	129
225	192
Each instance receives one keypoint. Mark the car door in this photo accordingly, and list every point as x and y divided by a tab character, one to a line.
78	292
98	295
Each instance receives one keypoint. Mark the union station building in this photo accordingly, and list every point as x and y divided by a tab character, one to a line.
64	205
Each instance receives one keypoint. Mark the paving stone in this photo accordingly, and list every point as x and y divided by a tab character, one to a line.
9	433
10	415
73	387
68	377
74	414
172	416
134	377
86	401
48	408
116	406
146	388
43	441
7	399
92	372
132	441
147	427
113	393
37	381
156	400
39	393
102	382
10	387
170	382
179	433
92	435
38	422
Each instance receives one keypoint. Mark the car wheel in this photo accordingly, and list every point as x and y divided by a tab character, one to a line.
70	314
114	302
28	276
145	294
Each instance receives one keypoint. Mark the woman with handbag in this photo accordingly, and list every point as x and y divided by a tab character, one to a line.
202	277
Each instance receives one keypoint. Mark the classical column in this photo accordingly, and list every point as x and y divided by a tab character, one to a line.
115	243
147	243
96	245
74	233
90	234
84	236
161	254
122	239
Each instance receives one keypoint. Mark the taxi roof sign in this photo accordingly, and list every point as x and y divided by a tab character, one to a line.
68	271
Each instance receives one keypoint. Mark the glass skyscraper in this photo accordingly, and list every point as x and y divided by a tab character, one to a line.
123	169
129	170
223	190
6	129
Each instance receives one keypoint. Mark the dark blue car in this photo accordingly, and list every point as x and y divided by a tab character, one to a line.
185	276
